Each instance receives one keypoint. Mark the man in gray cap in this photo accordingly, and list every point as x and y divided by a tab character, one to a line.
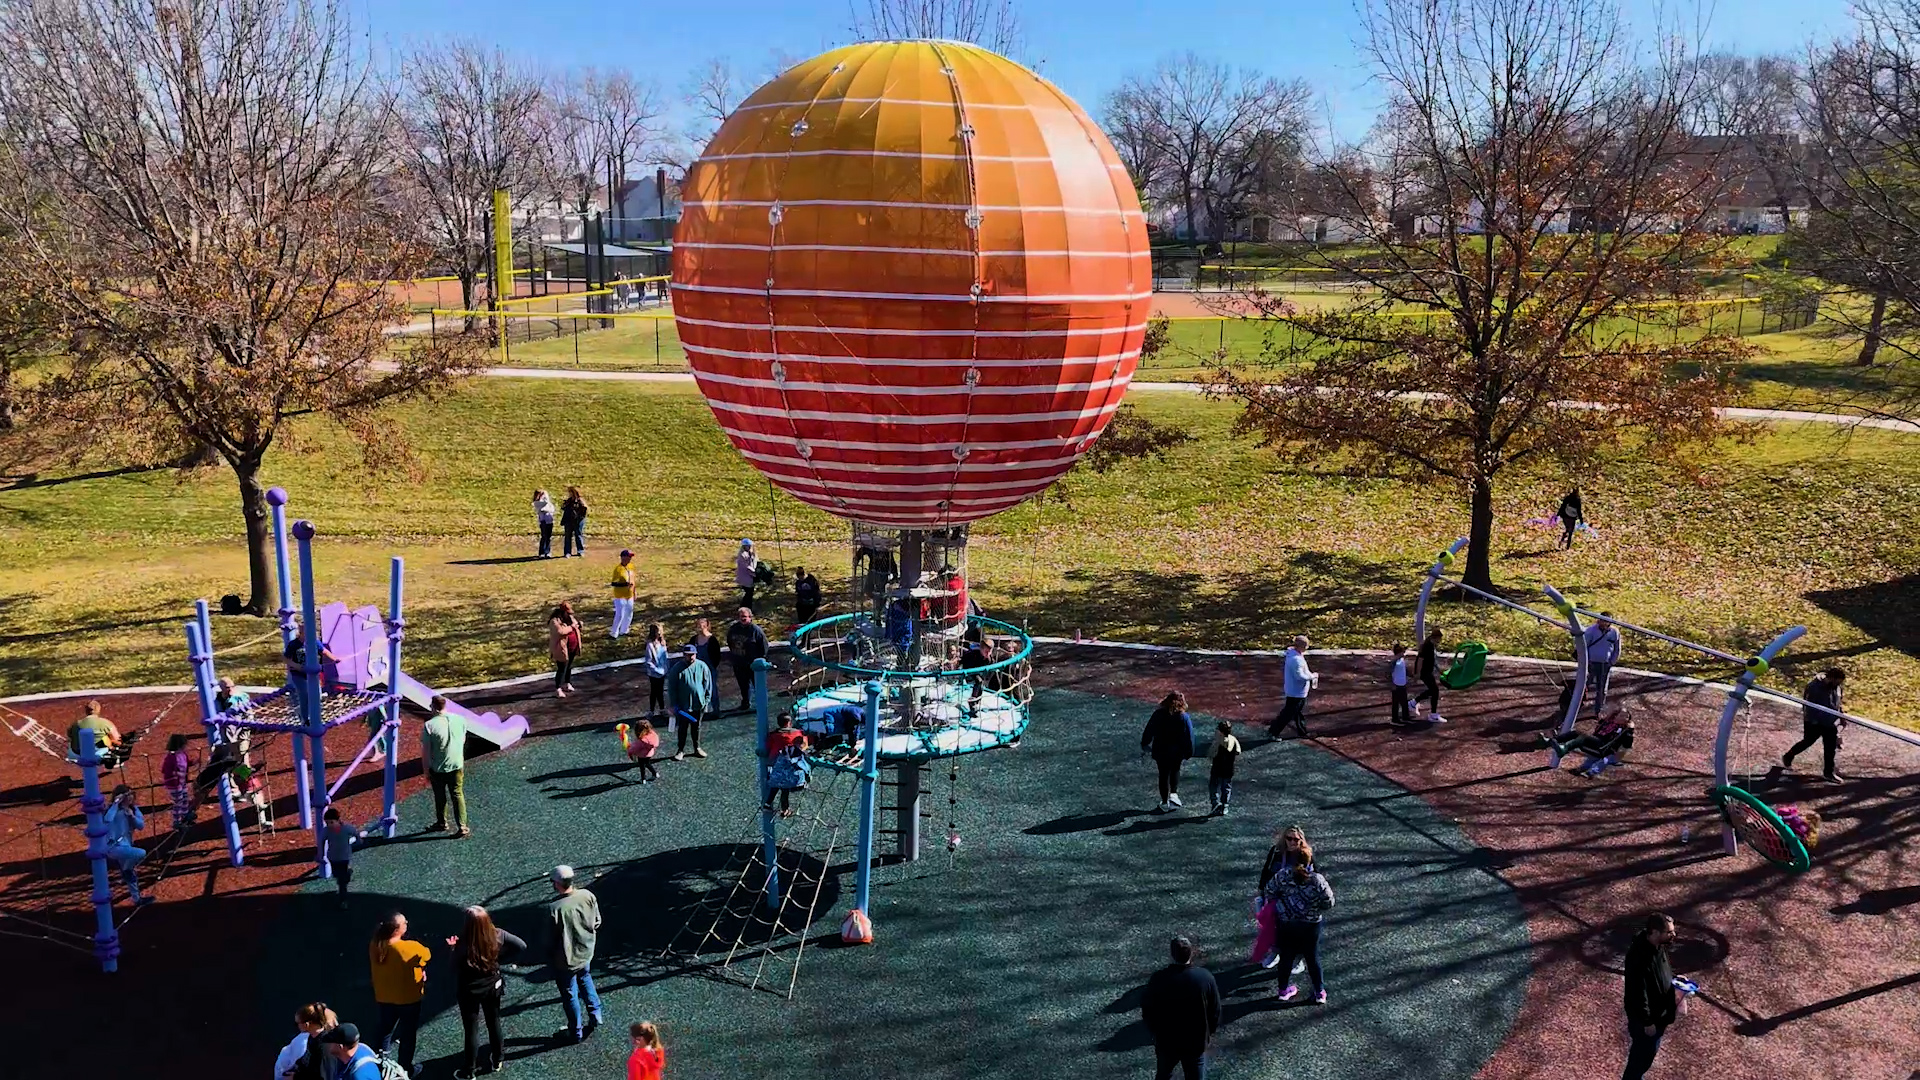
573	922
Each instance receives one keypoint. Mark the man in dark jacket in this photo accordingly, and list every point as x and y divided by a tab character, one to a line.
1652	1001
1181	1009
746	642
1820	720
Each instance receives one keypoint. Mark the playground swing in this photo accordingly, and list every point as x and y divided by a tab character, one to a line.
1468	664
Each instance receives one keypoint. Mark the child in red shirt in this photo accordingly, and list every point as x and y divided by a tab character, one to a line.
649	1059
640	750
786	763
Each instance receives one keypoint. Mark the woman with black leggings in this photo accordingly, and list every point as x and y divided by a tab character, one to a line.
478	952
1168	739
1430	672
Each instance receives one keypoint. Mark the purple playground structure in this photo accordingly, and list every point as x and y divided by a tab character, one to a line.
338	665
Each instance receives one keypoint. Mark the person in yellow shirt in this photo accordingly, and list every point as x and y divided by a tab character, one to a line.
399	982
624	577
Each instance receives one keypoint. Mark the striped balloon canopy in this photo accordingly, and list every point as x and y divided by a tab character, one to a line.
912	280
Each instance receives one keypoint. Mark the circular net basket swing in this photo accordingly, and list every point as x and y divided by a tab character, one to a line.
1761	828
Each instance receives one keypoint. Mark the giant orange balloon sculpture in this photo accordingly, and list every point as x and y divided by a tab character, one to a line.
912	280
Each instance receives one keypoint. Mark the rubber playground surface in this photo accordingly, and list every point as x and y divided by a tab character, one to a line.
1483	901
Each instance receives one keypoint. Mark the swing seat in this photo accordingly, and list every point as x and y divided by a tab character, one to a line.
1468	665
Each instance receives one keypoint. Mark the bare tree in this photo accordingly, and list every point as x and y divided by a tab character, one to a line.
473	122
575	145
627	114
1754	106
204	210
1207	136
1864	192
1490	337
991	24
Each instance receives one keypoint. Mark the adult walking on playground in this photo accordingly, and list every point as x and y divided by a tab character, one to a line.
1571	514
1820	721
443	745
1168	739
625	576
543	514
1603	651
1653	1004
478	951
563	645
573	927
656	662
745	568
1429	657
399	983
1300	898
1288	849
746	642
1181	1010
691	698
1297	683
573	523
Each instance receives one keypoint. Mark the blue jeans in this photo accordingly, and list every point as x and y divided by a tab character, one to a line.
1597	675
573	985
574	539
1220	790
1641	1049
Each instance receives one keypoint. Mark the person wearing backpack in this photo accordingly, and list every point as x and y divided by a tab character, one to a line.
355	1060
745	572
573	523
563	645
478	951
300	1058
787	764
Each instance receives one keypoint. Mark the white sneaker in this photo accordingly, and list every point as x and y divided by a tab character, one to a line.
1175	800
1436	718
1272	961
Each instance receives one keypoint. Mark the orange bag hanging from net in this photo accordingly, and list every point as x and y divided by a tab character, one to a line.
857	929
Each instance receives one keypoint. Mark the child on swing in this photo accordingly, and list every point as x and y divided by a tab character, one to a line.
1604	748
641	748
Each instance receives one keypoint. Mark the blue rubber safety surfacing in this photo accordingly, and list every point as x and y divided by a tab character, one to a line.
1022	961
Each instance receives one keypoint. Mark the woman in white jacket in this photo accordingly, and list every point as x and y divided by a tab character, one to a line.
656	670
543	511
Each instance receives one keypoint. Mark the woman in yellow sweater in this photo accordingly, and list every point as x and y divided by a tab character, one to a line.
399	982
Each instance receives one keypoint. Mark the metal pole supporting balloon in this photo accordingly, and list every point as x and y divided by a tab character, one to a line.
769	841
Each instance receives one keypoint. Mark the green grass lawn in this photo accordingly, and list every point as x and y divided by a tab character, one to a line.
1221	544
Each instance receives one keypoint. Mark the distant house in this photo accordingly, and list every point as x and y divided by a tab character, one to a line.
647	209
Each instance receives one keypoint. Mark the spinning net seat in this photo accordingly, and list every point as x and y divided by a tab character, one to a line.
937	698
1762	828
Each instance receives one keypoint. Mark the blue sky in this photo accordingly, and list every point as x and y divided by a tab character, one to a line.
1086	46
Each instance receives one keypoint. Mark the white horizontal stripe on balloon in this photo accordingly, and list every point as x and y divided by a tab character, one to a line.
817	102
785	440
1017	390
882	204
1000	501
839	417
1008	159
870	249
907	361
815	465
945	298
887	331
1029	484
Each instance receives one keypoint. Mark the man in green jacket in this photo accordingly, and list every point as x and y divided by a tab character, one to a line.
691	697
443	745
573	927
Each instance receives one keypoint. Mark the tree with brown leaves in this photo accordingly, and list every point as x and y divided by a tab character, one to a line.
1528	197
205	211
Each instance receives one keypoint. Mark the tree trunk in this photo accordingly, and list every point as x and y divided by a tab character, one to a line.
467	289
1479	570
198	455
6	393
261	592
1870	348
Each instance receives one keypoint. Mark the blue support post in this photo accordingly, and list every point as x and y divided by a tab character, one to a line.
106	936
769	840
283	568
310	711
396	627
200	652
869	782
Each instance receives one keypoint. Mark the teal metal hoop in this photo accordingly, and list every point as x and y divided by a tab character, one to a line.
1762	827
